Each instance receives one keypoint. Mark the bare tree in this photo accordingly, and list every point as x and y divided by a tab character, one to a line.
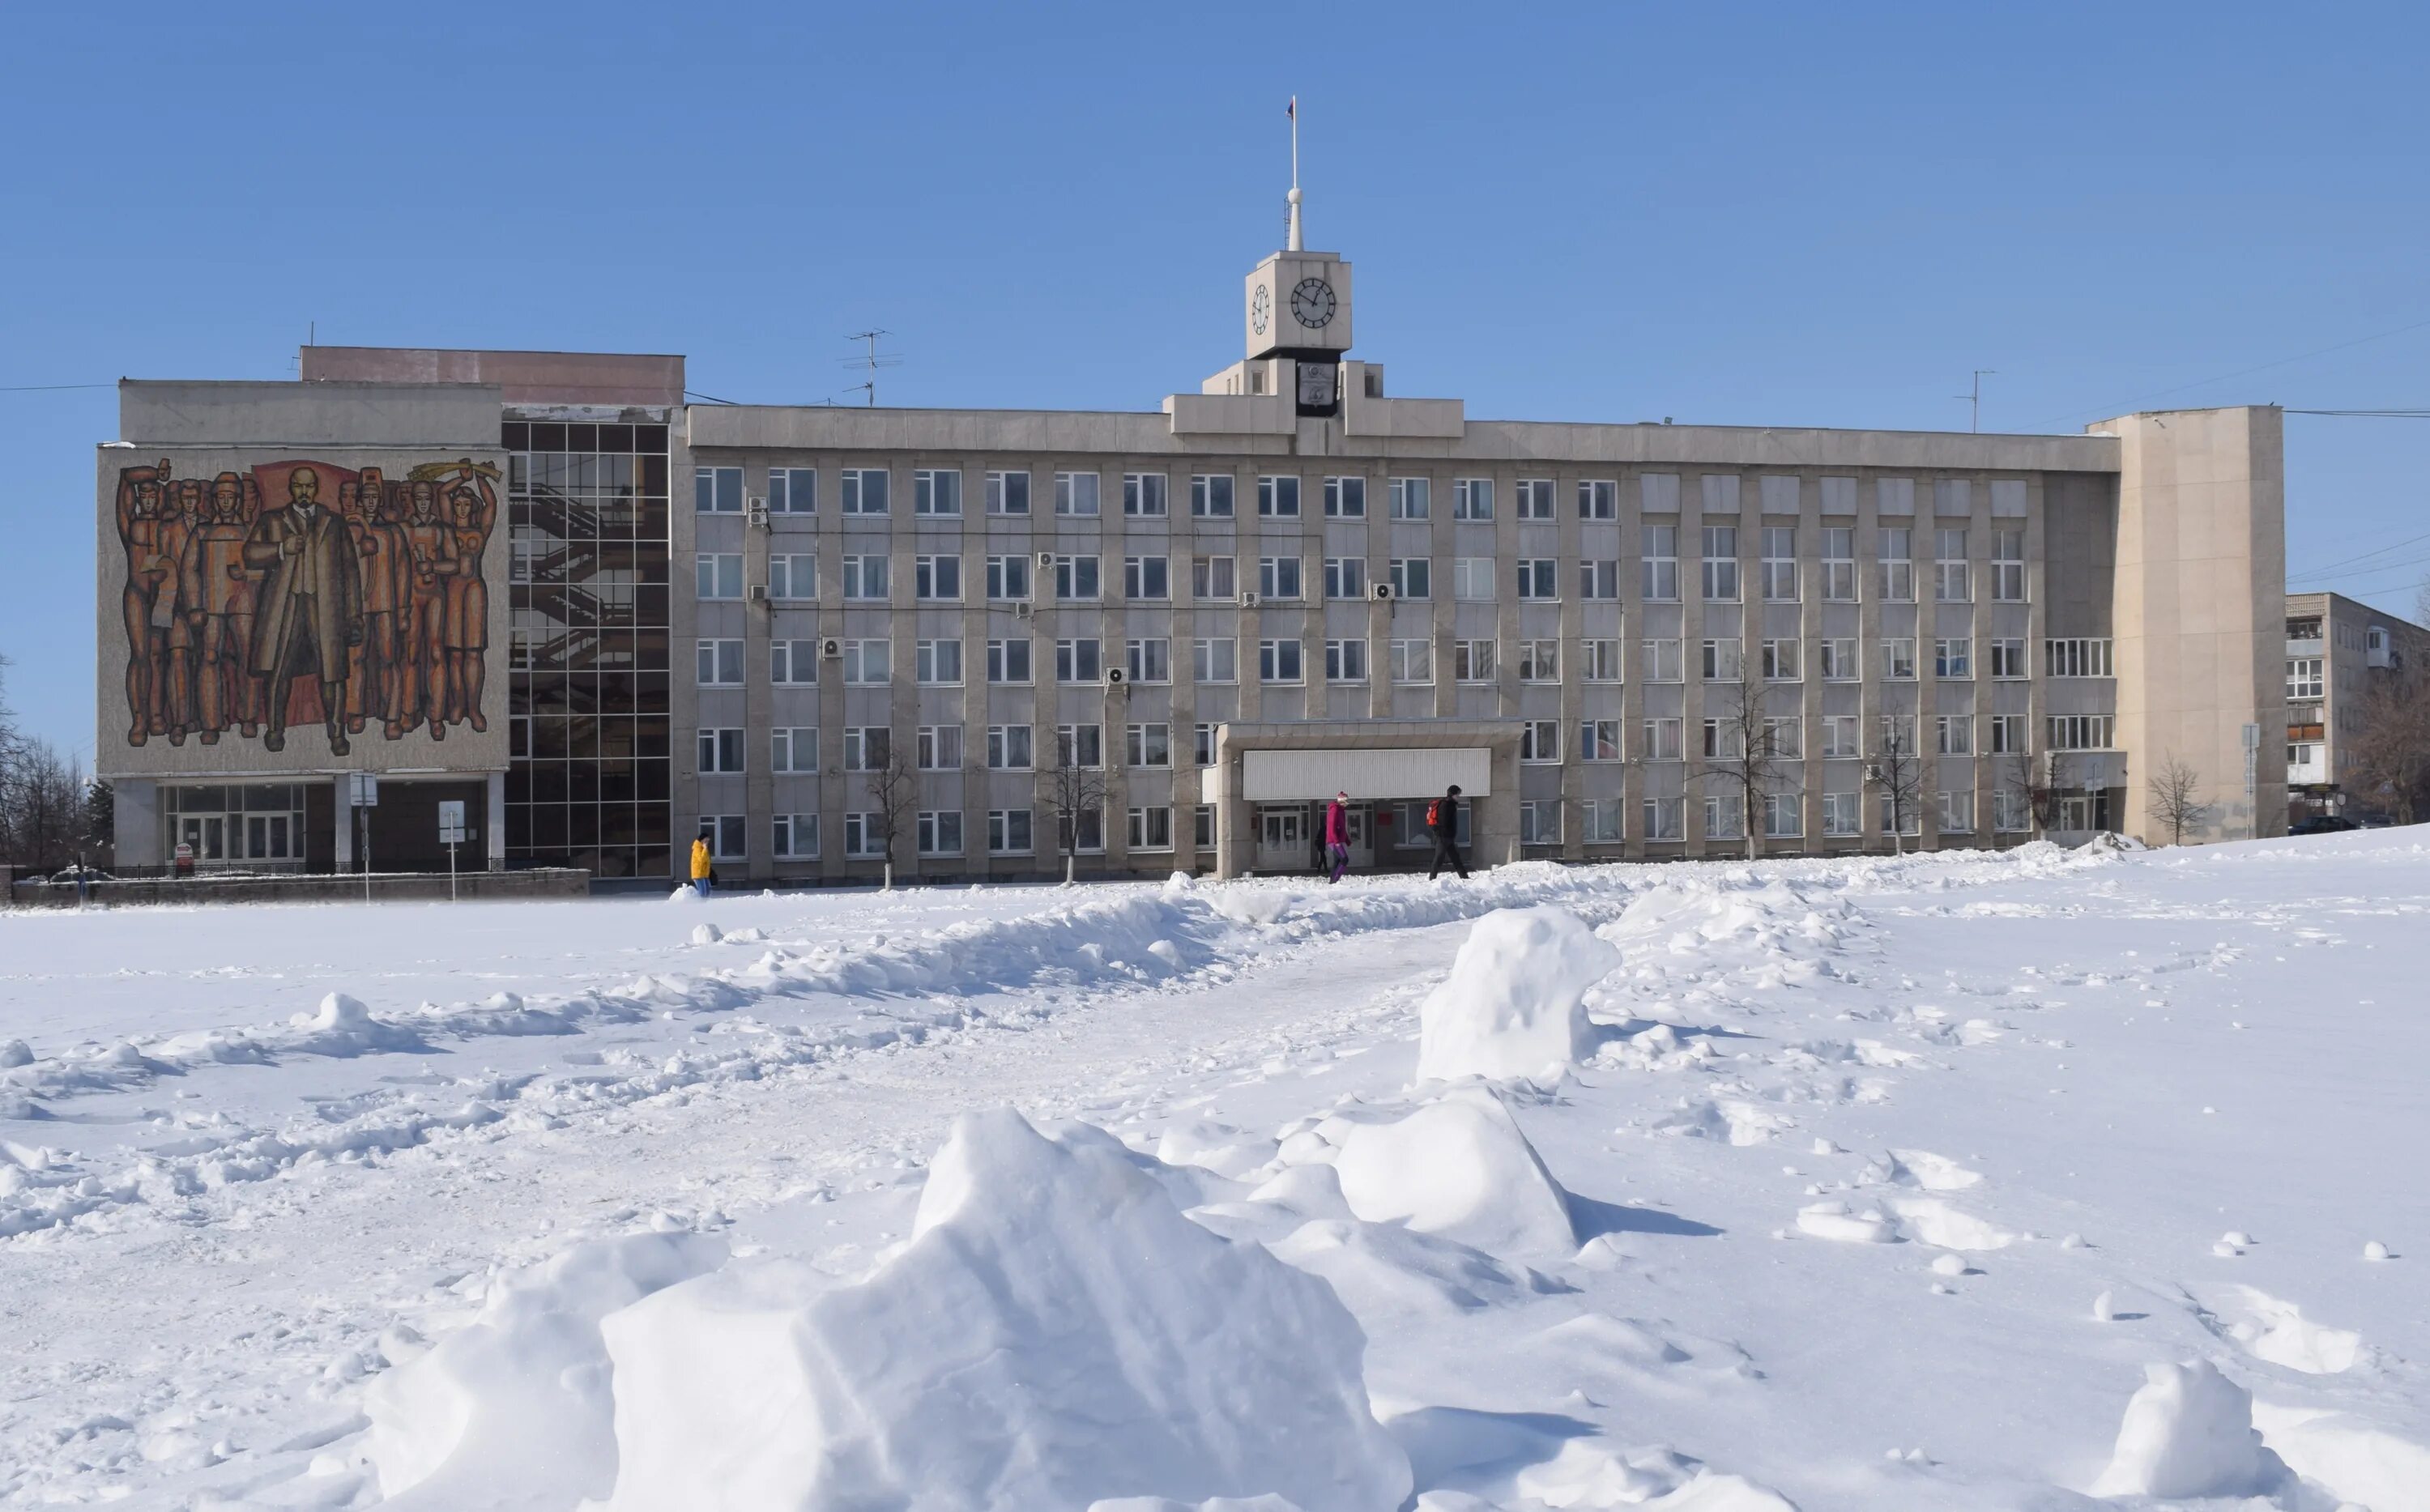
2176	796
2387	755
44	816
1746	755
1074	789
1897	772
894	788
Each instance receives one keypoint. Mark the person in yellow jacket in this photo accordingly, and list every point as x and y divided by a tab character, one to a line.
701	871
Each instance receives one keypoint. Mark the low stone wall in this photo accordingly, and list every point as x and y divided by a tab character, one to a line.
386	886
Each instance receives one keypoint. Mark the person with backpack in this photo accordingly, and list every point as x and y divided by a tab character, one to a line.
1442	817
1336	835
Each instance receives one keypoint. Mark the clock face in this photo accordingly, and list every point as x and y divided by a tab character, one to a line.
1313	304
1260	306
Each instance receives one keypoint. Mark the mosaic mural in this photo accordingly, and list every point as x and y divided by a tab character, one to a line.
300	593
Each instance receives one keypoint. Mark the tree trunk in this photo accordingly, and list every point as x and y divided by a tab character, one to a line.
1070	865
889	885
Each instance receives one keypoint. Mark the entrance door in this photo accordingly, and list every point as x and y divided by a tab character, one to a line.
1283	843
207	834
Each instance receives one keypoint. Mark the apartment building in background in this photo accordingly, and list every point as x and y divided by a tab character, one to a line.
609	618
2337	649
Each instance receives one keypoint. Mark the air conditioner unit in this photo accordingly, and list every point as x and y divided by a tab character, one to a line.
758	592
1046	559
1024	610
1381	592
1249	601
1116	676
1872	773
758	512
831	648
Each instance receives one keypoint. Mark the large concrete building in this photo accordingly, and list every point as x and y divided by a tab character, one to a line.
607	620
2337	649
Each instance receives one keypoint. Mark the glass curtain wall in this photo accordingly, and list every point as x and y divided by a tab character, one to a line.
589	780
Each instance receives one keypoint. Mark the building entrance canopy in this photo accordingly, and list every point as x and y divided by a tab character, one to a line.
1269	776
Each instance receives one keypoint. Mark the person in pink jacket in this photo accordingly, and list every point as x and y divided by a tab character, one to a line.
1337	834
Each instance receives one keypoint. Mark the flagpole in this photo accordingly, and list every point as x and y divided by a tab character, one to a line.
1293	112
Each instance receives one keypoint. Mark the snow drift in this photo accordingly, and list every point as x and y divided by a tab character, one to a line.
1514	1003
2188	1432
1457	1167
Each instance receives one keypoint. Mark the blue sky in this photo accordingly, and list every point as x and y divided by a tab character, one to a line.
1794	215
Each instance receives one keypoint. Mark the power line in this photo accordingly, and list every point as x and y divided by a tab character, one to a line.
2261	367
2364	556
2368	414
50	388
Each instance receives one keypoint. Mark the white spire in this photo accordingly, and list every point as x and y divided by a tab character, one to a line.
1296	243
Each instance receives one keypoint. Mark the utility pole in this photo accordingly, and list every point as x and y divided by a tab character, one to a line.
873	360
1974	397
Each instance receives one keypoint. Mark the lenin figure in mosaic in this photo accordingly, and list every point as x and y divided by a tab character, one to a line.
302	593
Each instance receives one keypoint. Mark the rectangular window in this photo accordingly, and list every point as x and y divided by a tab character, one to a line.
2081	732
937	663
2008	735
1665	740
1278	576
1951	584
1898	658
1007	661
1413	662
1083	832
1472	661
1535	499
2008	566
864	490
936	490
1202	827
1723	662
1143	495
793	749
1278	661
2007	658
1957	813
1151	829
867	747
1842	813
1785	738
1898	564
793	576
1009	748
1725	817
1080	745
1840	660
2304	678
935	577
724	832
1780	661
1075	493
868	662
1079	659
1345	498
1410	498
1956	735
1539	822
1780	563
864	837
1598	499
1215	659
1723	741
1211	577
721	664
1007	493
1721	564
1210	495
1599	580
1839	736
2011	814
864	578
1897	735
1278	498
1838	563
1601	817
797	837
1953	659
1146	577
1538	578
1202	744
1783	813
720	749
717	490
1539	661
939	747
1412	578
793	491
1345	661
1009	832
1471	499
1076	577
793	663
1539	741
1599	740
1147	745
1665	818
1345	577
1661	555
1599	661
1471	579
940	832
721	575
1148	659
1664	661
2077	658
1008	578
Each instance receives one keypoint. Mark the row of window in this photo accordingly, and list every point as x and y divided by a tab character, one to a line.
939	577
870	748
939	833
939	491
793	663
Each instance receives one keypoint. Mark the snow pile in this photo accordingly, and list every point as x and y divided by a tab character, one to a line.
1054	1334
1514	1004
1457	1167
513	1409
2188	1432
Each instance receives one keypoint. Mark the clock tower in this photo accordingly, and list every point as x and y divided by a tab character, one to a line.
1297	313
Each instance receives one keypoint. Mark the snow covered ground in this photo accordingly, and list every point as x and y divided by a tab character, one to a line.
1932	1183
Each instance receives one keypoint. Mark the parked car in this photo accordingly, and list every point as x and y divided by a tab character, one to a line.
2323	825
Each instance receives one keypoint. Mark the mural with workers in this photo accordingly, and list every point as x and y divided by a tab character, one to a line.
299	594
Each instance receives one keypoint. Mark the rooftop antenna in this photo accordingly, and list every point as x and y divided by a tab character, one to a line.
1974	397
873	360
1292	112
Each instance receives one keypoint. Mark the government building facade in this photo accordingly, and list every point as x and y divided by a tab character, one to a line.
994	643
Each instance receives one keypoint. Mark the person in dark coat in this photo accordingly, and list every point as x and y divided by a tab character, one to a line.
309	609
1444	821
